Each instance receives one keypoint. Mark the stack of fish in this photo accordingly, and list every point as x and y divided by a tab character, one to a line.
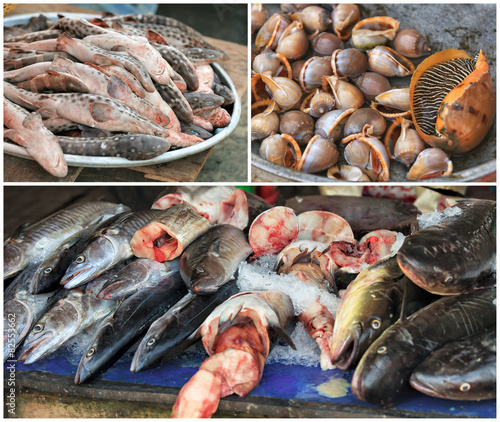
121	275
132	86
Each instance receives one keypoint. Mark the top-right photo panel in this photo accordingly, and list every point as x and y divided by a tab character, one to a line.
373	93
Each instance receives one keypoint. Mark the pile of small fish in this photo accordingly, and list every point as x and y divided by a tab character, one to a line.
168	276
129	86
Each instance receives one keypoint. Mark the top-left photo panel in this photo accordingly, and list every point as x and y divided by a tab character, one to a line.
125	93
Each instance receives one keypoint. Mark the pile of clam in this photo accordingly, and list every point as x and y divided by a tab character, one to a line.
322	100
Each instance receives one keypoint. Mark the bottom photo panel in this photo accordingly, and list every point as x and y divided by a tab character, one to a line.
249	301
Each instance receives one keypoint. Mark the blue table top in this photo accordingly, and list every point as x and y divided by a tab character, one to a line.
278	381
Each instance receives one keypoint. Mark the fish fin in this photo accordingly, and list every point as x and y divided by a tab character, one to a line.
284	335
118	26
65	39
14	136
99	22
61	61
155	37
19	233
214	248
48	113
131	19
117	88
119	47
102	112
403	314
103	60
32	121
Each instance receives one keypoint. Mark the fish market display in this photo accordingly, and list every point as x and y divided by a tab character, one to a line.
169	233
146	80
383	373
461	370
237	335
353	97
292	288
213	258
426	256
32	243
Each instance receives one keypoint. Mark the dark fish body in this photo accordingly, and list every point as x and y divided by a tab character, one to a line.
133	317
368	306
36	242
136	146
68	317
213	258
180	63
49	273
138	274
170	334
110	246
461	370
383	373
452	258
203	101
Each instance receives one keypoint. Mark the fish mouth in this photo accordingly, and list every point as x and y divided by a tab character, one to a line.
74	279
422	386
413	272
344	357
12	260
33	352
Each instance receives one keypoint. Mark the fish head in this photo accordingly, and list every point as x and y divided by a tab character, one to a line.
356	328
147	353
47	273
95	356
13	259
204	276
96	258
50	332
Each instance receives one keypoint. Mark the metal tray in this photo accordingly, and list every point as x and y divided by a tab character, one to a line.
469	27
81	161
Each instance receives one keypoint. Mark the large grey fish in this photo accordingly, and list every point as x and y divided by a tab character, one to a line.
460	370
50	271
110	246
383	373
170	334
36	242
66	318
119	331
213	258
138	274
456	256
21	310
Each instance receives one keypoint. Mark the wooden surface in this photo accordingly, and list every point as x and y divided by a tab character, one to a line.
183	170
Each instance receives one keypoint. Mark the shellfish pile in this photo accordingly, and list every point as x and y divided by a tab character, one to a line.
130	86
331	93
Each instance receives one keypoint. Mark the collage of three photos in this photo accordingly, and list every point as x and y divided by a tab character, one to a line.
249	210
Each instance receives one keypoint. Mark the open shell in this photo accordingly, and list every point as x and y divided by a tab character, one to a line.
453	100
430	163
347	173
403	143
319	155
370	32
270	33
313	71
344	17
264	123
293	43
346	94
393	103
284	91
331	124
389	62
317	103
281	149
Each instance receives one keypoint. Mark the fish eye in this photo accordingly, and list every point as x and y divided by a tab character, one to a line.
200	270
381	350
448	279
209	103
37	328
47	270
465	386
150	342
91	351
376	323
79	259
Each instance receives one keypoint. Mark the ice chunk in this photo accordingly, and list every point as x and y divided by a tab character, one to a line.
307	353
436	218
400	238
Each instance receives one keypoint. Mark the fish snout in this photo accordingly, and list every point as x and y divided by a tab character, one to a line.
345	356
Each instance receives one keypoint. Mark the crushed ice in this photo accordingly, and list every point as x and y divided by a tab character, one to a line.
436	218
